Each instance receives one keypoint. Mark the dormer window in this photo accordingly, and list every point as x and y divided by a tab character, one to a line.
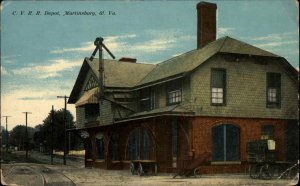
174	92
146	99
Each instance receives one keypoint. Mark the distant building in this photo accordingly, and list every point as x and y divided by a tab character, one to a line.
212	99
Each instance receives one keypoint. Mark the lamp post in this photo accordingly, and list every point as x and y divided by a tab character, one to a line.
26	134
7	135
65	120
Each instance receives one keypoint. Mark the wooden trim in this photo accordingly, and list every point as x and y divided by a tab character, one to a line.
226	162
99	160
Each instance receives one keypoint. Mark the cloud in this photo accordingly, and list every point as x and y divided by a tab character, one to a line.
54	69
224	31
159	41
9	59
129	45
89	46
275	44
3	71
154	45
276	40
37	101
162	42
274	37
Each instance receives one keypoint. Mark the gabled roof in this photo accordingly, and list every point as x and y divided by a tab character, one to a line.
121	74
188	61
137	75
116	74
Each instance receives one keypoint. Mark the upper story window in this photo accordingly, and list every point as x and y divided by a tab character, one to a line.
146	99
273	90
91	110
174	92
218	86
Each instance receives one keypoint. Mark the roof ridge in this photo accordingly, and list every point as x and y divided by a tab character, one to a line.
270	54
157	64
225	38
177	56
108	60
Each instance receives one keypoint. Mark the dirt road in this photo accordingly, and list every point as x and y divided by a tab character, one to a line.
74	173
40	174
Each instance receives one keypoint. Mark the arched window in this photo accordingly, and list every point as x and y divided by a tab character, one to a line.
100	146
88	149
225	143
139	145
115	146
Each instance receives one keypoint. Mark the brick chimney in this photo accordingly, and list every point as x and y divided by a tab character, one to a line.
206	23
127	59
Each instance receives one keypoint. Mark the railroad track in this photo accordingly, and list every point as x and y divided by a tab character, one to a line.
36	175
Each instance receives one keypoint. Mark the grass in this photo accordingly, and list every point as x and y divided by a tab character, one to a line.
18	158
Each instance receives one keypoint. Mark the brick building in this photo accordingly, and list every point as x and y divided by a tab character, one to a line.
212	99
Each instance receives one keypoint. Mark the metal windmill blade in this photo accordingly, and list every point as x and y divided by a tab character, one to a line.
99	44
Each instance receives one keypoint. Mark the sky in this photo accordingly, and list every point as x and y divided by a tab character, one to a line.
43	47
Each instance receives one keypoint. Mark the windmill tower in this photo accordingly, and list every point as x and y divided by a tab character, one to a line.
99	45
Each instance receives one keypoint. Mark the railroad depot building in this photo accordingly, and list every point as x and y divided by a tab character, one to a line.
211	100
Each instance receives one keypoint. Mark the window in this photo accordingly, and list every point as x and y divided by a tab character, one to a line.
115	146
267	131
139	145
146	99
174	139
91	110
273	90
225	143
174	92
218	86
100	146
88	149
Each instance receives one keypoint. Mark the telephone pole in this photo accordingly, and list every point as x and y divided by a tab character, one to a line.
26	134
52	131
65	121
6	137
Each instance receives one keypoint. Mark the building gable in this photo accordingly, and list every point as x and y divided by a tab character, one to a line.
91	83
246	89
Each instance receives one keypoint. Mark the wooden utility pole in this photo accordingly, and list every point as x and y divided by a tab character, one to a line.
26	134
52	131
6	137
65	121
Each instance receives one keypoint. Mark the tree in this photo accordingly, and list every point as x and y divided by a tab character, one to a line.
43	135
5	135
17	137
